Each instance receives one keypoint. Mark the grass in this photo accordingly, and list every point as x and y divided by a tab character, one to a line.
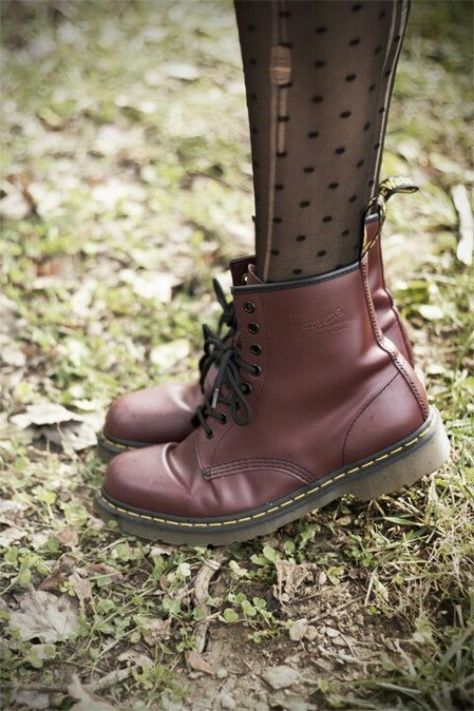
127	156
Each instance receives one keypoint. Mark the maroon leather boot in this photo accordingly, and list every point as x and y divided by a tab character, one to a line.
310	402
163	413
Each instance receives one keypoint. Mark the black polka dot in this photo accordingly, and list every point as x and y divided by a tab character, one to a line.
382	14
276	220
251	28
284	13
286	85
279	186
297	271
281	154
317	99
333	186
253	62
382	110
360	163
376	146
313	134
254	129
288	45
377	50
321	253
320	30
366	126
327	218
397	38
275	252
283	119
353	198
308	169
370	183
301	238
339	151
305	203
357	7
387	73
354	42
253	95
351	77
319	64
372	87
345	114
344	233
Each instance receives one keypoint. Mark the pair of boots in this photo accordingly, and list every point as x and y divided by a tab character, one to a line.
309	396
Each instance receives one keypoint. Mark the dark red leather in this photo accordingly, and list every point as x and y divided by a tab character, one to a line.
388	316
163	413
332	389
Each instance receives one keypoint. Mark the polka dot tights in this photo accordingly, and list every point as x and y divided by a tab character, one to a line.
319	76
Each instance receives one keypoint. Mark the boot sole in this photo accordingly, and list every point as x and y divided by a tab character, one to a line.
385	472
109	448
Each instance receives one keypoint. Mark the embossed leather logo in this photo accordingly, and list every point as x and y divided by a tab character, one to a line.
330	321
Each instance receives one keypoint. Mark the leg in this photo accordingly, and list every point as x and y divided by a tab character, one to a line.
319	77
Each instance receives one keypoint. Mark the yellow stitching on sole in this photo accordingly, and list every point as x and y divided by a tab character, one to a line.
305	494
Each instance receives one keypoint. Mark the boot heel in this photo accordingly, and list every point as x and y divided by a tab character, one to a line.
392	475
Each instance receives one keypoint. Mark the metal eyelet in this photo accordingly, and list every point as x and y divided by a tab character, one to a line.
253	328
223	419
246	388
256	349
256	370
249	307
209	434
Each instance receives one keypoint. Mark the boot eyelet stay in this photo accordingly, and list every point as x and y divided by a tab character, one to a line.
209	433
256	349
246	388
256	370
249	307
253	328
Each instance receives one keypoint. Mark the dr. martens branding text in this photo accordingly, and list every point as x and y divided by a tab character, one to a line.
306	326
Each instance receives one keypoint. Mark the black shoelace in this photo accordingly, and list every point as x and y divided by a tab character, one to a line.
228	389
226	319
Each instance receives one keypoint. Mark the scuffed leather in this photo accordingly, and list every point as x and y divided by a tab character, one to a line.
316	405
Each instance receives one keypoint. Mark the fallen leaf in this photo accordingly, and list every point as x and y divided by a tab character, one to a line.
81	587
179	70
71	435
280	677
297	629
68	536
156	630
168	354
46	413
87	701
15	206
45	616
430	312
32	699
197	662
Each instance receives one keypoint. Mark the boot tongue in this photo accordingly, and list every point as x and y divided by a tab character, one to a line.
251	276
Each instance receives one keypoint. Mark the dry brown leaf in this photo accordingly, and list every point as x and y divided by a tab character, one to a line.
197	662
45	616
81	587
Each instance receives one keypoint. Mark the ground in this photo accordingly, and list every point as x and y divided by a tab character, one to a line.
126	185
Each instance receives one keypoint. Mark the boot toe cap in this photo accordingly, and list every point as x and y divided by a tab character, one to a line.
153	415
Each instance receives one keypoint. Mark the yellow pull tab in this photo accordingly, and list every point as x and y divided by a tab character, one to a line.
377	207
391	186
